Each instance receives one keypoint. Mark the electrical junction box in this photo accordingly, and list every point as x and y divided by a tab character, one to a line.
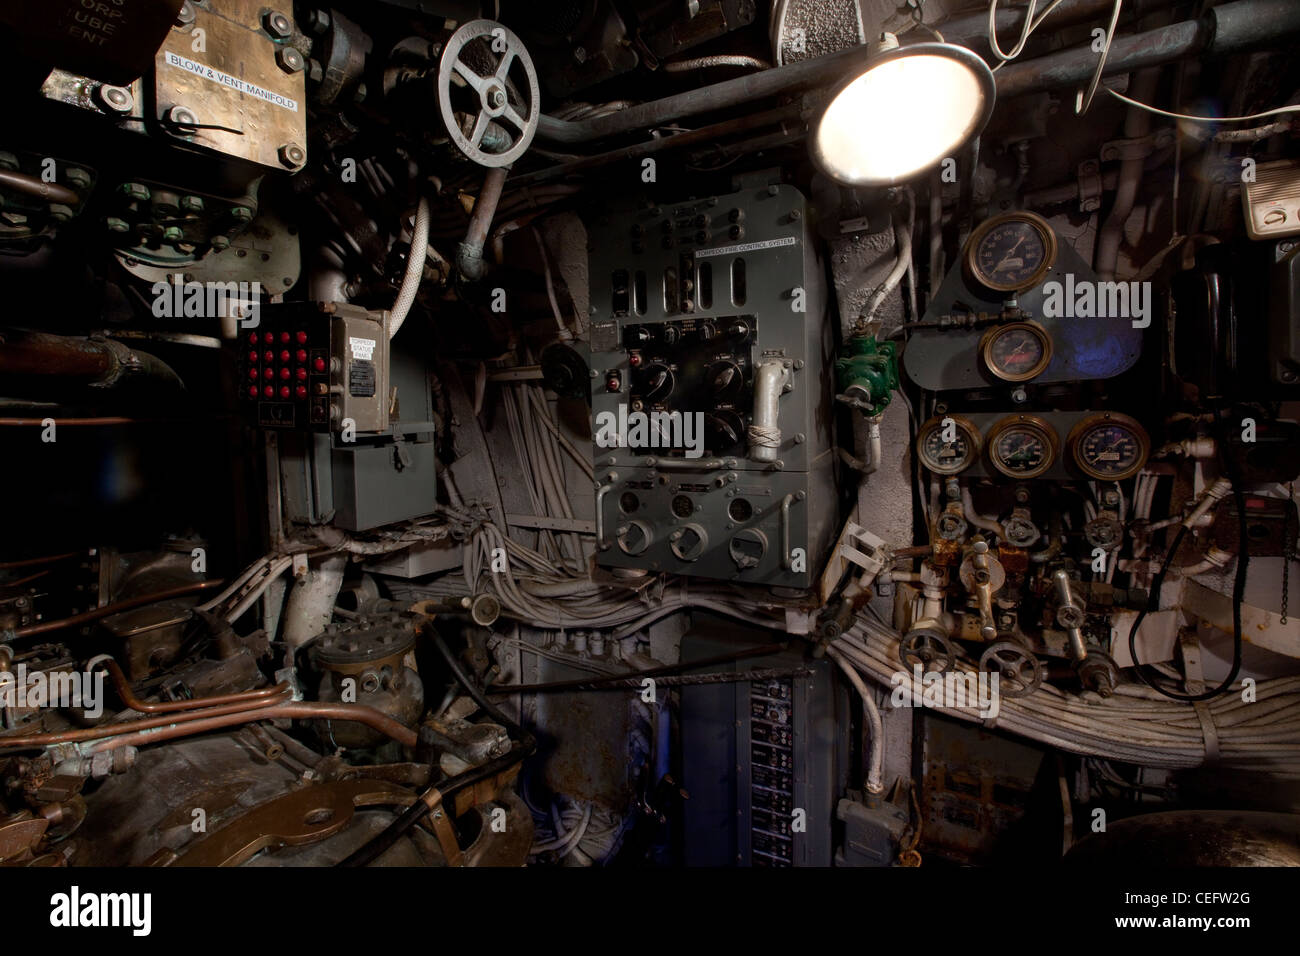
711	412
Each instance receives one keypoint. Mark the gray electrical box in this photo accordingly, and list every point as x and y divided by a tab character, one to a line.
711	409
756	753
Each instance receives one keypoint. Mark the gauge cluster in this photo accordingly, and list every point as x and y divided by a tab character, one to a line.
1105	446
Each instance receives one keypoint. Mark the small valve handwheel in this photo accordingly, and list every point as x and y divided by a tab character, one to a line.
488	93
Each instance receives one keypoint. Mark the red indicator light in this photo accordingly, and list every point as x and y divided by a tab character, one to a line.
268	373
268	356
284	338
268	338
613	383
284	391
284	356
269	391
302	355
252	373
634	360
284	373
252	338
301	338
252	391
301	373
318	365
252	357
301	391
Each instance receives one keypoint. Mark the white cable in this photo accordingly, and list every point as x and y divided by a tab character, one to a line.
1083	101
414	269
1202	119
876	757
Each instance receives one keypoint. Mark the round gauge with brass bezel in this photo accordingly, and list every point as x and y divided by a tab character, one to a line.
1016	351
1011	252
948	444
1108	446
1022	446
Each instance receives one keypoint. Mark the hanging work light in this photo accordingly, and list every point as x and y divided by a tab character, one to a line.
910	107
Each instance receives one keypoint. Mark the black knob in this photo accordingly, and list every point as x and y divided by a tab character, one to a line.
739	329
725	379
708	331
658	382
671	334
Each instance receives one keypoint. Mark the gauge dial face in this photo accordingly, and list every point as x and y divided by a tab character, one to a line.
1109	447
1011	253
1017	351
948	445
1022	446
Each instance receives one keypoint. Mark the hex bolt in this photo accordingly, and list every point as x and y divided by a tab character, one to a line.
315	72
115	99
60	213
220	242
77	177
290	60
137	191
318	22
13	218
8	161
277	25
192	203
181	117
241	214
113	224
497	98
185	15
292	155
173	234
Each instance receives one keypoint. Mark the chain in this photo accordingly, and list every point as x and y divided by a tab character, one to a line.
1288	546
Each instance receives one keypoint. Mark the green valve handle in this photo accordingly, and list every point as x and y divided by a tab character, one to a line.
866	373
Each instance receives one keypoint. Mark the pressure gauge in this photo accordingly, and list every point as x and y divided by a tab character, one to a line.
948	444
1010	253
1016	351
1022	446
1108	446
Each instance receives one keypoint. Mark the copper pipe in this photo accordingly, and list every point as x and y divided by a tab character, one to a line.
35	422
28	562
302	710
94	614
38	188
119	727
123	688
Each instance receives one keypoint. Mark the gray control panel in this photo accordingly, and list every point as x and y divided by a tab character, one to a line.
711	412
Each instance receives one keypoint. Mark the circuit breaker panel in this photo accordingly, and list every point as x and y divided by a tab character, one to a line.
710	416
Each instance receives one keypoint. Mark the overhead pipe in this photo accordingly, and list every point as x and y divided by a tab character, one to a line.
1226	29
92	362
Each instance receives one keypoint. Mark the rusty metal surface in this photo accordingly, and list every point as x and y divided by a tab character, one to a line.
235	82
306	816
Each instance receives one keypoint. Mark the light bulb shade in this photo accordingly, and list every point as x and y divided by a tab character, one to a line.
909	109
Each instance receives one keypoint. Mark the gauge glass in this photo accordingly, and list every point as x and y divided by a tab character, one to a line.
1109	448
1024	448
1013	252
948	445
1018	351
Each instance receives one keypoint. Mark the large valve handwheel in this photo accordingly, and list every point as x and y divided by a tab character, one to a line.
934	653
1019	672
486	74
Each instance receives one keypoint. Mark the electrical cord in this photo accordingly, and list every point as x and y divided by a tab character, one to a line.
438	794
1083	101
1238	587
1251	118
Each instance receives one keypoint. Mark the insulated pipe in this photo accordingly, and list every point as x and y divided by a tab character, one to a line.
1229	28
1226	29
765	432
414	268
310	605
1137	124
876	754
95	363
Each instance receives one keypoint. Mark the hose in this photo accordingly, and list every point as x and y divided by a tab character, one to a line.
414	269
437	795
876	757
